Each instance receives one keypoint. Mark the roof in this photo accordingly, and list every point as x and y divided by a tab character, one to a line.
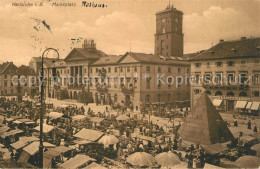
46	128
232	49
88	134
94	166
56	151
8	68
60	63
157	59
47	61
33	148
111	59
96	119
204	125
23	141
25	70
55	115
10	133
76	162
83	53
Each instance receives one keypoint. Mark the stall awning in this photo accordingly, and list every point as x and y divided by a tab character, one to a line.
217	102
255	106
88	134
46	128
249	104
55	115
76	162
241	104
11	133
33	148
79	117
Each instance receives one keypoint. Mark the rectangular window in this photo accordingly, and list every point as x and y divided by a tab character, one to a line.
179	82
219	64
169	70
197	91
231	63
207	78
218	78
188	71
197	78
135	69
256	78
257	62
256	93
208	64
96	70
115	69
197	65
243	62
5	84
128	68
148	83
109	69
159	84
179	70
159	69
147	68
121	69
5	76
231	78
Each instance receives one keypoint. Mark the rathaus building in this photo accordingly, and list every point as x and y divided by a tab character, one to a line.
130	79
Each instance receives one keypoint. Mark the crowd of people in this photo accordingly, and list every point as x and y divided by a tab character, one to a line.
136	133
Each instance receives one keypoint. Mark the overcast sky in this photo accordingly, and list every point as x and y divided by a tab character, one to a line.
122	23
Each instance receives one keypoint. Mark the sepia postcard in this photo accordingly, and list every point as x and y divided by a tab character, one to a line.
129	84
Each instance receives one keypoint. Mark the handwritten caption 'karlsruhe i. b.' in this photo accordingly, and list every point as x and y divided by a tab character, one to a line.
87	4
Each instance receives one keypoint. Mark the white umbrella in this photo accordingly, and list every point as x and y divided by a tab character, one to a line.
256	147
122	118
109	140
167	159
141	159
248	162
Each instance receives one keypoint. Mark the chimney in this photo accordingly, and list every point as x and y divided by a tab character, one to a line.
221	40
243	38
89	44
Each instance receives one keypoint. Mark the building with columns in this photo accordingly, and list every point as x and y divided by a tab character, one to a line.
131	79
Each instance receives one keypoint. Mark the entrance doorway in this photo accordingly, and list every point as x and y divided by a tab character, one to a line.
230	105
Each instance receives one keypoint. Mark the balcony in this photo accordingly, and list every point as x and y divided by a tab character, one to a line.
126	89
101	88
226	86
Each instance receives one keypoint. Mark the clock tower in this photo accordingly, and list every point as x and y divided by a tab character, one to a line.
169	36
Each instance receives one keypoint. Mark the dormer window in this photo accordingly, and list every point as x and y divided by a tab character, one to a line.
211	52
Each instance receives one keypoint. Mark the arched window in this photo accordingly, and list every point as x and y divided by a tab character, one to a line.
230	94
158	98
218	93
147	98
242	94
208	92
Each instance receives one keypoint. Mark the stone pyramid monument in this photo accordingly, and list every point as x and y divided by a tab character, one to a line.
204	125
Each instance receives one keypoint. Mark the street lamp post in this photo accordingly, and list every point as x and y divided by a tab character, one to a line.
42	108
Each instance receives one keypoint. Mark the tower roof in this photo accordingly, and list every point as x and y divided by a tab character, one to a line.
204	125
